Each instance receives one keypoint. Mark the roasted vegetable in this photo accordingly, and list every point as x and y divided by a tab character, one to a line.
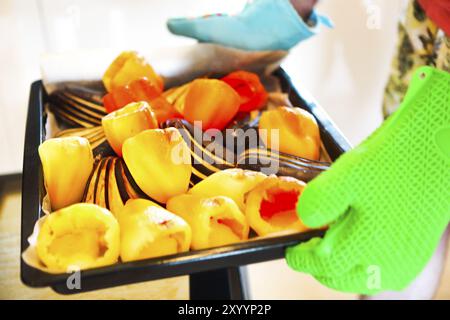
299	133
176	96
211	101
140	90
280	164
80	236
207	155
117	98
148	230
127	122
77	105
111	185
231	183
160	162
250	89
96	137
271	206
127	67
214	221
67	163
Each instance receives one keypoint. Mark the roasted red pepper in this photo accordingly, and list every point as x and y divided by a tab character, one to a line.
249	87
140	90
117	99
270	206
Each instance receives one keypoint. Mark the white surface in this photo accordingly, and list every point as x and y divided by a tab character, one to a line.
345	69
20	45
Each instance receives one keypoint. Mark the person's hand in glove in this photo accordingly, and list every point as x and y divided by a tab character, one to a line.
262	25
387	202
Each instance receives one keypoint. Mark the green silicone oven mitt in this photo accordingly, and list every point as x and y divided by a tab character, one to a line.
387	202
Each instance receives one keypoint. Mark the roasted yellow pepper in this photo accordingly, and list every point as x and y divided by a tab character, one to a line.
271	206
129	66
160	162
299	133
232	183
215	221
81	236
148	230
67	163
128	122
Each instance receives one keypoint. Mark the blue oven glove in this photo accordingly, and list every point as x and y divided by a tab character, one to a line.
262	25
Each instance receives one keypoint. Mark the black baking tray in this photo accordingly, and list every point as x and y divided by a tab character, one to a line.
239	254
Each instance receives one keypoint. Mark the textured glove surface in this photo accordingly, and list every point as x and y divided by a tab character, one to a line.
387	201
262	25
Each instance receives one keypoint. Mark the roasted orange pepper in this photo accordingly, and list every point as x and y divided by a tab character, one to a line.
147	230
215	221
160	162
127	67
127	122
140	90
299	133
271	206
211	101
249	87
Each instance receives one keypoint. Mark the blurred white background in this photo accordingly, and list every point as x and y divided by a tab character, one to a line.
344	68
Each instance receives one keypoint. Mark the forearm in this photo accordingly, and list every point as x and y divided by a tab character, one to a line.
304	7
